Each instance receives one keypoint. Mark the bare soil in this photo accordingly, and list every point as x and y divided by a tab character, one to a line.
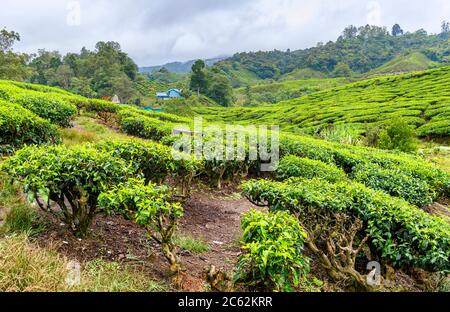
212	216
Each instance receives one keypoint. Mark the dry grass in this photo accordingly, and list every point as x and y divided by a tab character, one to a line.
24	268
28	268
88	130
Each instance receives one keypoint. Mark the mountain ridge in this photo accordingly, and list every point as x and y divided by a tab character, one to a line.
180	67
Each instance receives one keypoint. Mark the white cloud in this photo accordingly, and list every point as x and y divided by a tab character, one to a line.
157	31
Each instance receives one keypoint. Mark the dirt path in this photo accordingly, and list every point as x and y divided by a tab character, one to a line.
215	218
212	216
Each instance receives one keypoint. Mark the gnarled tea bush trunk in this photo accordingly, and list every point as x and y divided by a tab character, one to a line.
66	181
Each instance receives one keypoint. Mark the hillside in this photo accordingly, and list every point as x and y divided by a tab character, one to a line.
273	92
421	98
410	62
361	49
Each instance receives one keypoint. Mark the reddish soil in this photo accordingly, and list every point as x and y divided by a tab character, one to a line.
212	216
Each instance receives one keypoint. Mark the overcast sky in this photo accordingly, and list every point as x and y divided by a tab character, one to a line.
158	31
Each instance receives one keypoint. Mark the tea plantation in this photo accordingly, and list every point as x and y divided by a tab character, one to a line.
345	204
422	99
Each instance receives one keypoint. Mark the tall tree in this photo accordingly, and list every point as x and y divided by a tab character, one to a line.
199	81
350	32
12	65
445	30
220	89
397	30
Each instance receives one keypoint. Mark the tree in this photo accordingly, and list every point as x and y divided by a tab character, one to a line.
398	135
220	89
12	65
397	30
63	76
199	81
7	40
445	30
124	88
342	70
350	32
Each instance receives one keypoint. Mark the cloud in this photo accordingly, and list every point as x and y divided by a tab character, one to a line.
158	31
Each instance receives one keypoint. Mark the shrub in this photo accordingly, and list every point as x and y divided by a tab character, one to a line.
47	105
273	245
398	231
150	206
395	182
350	157
155	162
151	160
19	126
136	124
293	166
398	136
72	178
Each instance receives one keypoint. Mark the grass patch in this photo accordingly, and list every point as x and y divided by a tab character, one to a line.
102	276
88	130
27	268
191	244
18	216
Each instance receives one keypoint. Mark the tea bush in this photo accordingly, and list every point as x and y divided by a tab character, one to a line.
148	205
418	98
349	158
72	178
293	166
155	162
398	135
19	126
273	245
144	127
398	231
395	182
47	105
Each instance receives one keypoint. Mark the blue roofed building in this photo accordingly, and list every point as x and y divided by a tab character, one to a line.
169	95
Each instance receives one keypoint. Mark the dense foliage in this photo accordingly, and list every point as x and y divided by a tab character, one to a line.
273	245
70	178
420	99
12	64
19	126
359	49
101	73
293	166
398	231
212	83
150	206
155	162
349	158
48	105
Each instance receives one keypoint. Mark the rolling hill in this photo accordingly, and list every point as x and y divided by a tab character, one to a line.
422	99
361	50
409	62
274	92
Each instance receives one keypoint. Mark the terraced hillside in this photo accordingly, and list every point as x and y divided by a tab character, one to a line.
422	98
274	92
405	63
